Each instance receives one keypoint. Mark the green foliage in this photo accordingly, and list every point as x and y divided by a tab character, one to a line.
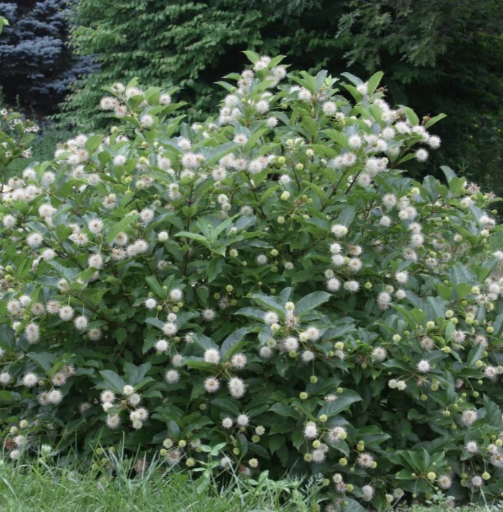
438	56
118	484
267	291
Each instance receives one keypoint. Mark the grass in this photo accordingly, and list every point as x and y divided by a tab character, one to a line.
42	487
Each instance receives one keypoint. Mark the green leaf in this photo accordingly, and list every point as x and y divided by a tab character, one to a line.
232	340
156	287
93	143
43	359
121	226
374	81
475	354
203	341
115	382
347	216
311	301
342	403
435	120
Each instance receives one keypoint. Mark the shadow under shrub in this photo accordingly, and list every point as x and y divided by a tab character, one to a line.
268	288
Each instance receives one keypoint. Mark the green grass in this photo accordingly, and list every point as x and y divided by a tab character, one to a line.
43	487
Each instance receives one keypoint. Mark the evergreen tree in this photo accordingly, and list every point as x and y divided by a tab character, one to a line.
37	64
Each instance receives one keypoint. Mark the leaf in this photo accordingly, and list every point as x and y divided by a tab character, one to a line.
254	313
276	442
374	81
269	302
93	143
475	354
311	301
43	359
435	120
342	403
115	382
226	405
156	287
347	216
121	226
203	341
233	340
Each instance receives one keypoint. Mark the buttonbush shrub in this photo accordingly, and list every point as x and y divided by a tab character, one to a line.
267	290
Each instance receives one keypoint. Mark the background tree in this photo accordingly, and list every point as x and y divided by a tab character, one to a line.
36	61
437	56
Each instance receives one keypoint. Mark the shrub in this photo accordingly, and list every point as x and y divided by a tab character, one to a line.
16	137
267	291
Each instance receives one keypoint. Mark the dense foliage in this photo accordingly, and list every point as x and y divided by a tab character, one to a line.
37	64
438	56
266	291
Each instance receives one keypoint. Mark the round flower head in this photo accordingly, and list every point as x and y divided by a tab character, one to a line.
170	329
34	240
212	355
81	322
339	230
423	366
66	313
271	318
211	384
172	376
242	420
30	380
208	315
227	423
161	346
469	416
107	396
236	387
238	361
310	430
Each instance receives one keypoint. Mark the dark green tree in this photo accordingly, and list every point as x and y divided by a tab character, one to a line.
437	55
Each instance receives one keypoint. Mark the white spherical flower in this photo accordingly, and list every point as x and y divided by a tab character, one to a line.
421	155
161	346
146	121
242	420
472	447
236	387
469	417
238	361
351	286
66	313
379	354
81	322
444	482
113	421
339	230
107	396
368	492
170	329
313	334
477	481
95	261
305	95
212	355
128	390
34	240
329	108
402	277
265	352
172	376
5	378
271	318
163	236
355	141
95	226
227	423
335	248
262	106
423	366
307	356
338	260
55	396
333	284
291	343
208	315
176	294
261	259
150	303
134	399
30	380
9	221
310	430
211	384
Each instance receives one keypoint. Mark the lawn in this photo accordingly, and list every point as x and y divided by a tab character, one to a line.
41	487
